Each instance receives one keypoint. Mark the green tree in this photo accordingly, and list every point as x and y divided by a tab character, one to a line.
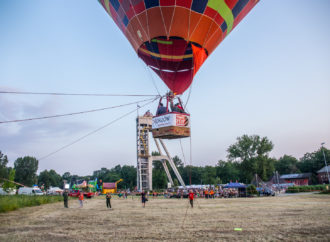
50	179
209	175
218	180
287	165
67	177
193	173
101	174
9	185
227	171
252	154
3	166
177	161
312	162
26	170
128	173
112	177
265	167
159	177
176	182
251	189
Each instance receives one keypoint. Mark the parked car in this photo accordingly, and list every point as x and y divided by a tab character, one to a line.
30	191
74	193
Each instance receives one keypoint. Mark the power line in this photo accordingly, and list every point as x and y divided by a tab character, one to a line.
77	94
70	114
96	130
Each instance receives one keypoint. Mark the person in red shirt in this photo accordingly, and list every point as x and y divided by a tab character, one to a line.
191	198
81	199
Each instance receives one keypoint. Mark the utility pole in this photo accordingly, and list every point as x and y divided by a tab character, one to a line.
325	162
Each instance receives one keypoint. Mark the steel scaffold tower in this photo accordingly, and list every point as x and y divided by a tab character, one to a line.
144	165
144	159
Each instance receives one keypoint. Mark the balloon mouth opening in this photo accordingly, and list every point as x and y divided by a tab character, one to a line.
174	60
157	69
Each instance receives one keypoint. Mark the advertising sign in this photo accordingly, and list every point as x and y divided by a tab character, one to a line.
171	119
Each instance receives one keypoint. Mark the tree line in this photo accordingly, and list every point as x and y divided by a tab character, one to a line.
248	156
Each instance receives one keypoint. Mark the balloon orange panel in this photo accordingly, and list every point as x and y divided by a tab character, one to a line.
155	23
180	22
168	13
175	37
201	31
142	20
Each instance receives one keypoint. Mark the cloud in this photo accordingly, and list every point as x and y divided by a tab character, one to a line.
21	138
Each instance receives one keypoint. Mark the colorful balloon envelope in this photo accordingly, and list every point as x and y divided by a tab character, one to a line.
175	37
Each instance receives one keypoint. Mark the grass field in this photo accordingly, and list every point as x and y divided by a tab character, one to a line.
292	218
13	202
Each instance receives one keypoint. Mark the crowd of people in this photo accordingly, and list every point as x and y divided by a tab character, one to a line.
191	194
207	193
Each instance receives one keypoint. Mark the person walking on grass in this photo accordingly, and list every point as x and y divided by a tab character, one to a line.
191	198
107	198
143	198
81	199
65	198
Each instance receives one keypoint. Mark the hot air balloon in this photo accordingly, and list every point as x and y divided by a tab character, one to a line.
175	37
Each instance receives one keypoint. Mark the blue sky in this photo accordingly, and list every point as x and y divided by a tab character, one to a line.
270	76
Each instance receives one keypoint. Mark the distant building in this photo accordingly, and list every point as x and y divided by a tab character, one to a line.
322	175
302	179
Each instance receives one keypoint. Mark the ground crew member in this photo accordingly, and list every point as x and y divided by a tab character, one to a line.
81	199
107	198
206	193
65	198
143	198
212	194
191	198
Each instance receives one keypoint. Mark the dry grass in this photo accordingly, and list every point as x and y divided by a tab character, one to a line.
290	218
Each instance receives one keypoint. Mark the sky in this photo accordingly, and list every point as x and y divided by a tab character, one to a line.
270	77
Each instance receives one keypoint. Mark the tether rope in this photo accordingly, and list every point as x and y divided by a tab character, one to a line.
184	158
75	113
152	79
77	94
96	130
188	98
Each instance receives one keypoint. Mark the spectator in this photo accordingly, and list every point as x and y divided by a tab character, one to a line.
191	198
65	198
143	198
108	198
81	199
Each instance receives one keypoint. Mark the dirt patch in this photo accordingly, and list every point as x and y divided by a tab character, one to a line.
302	218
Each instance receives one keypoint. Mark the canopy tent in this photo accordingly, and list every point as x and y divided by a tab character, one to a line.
235	185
